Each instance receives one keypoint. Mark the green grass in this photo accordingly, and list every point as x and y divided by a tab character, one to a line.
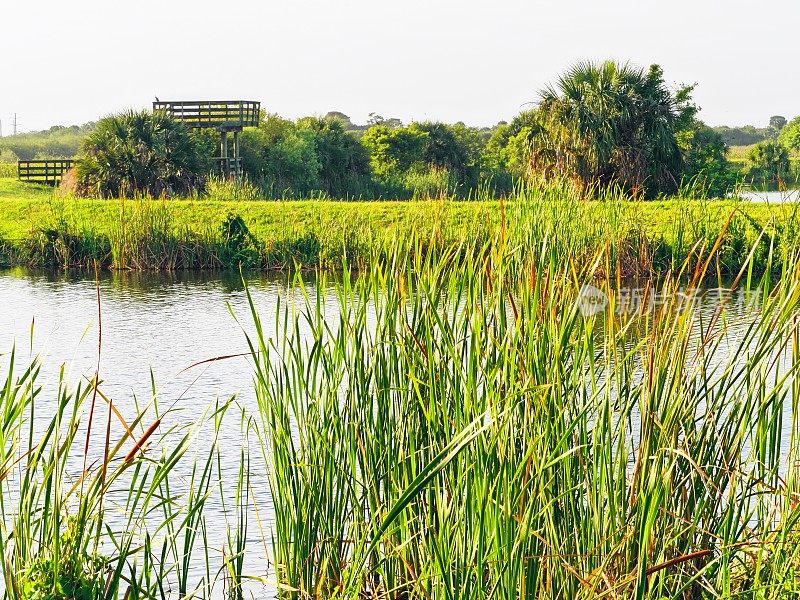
94	506
39	228
7	170
737	155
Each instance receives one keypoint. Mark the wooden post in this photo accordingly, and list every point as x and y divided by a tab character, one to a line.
223	149
236	164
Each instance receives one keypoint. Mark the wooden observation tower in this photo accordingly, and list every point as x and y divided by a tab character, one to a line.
226	116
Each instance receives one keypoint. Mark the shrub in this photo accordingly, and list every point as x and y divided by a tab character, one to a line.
239	246
768	163
139	153
790	135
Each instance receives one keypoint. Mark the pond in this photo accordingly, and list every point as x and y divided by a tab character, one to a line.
771	197
150	324
162	325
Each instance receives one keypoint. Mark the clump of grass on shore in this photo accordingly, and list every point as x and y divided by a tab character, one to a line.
90	503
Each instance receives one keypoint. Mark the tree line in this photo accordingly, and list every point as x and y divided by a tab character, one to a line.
600	125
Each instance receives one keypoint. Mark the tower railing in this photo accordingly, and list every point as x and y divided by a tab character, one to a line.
213	114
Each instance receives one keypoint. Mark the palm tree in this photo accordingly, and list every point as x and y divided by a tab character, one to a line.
139	153
611	123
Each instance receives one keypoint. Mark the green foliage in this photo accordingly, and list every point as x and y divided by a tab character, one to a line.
768	163
506	156
294	167
707	170
139	153
777	123
467	430
425	159
40	229
74	573
8	159
8	170
743	136
446	149
343	162
231	188
394	149
239	247
313	157
790	135
613	124
56	142
127	523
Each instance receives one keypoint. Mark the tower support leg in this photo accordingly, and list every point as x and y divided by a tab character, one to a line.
237	164
223	153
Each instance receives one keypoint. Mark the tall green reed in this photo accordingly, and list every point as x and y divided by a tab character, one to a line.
122	517
458	428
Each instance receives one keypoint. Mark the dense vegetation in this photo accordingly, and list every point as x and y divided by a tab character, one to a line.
56	142
462	430
790	135
769	163
446	423
139	153
608	124
600	125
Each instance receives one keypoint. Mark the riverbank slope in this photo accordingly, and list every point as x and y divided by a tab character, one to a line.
39	228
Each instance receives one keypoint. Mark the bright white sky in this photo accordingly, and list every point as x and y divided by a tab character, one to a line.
68	62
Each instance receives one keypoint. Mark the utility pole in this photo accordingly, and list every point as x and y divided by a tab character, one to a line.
1	127
15	123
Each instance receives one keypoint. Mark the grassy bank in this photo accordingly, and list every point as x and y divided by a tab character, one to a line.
38	228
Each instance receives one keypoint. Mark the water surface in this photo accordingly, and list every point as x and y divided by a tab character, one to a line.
161	325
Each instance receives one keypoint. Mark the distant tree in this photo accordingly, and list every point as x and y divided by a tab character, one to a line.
706	167
394	149
507	151
281	158
742	136
613	123
768	163
375	119
472	141
348	124
344	162
293	166
139	153
777	123
8	156
790	135
443	149
55	142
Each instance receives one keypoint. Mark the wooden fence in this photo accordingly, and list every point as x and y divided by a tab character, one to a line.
43	171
